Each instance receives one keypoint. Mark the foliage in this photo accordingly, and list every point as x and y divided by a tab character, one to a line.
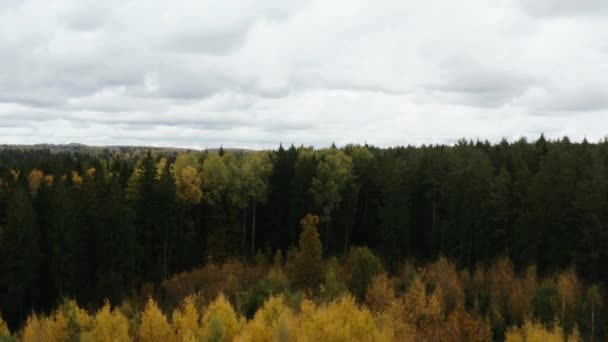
307	268
109	325
537	332
220	321
186	321
154	326
522	226
362	266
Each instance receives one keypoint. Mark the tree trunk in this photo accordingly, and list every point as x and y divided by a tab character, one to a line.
563	309
434	215
592	320
165	258
253	230
345	239
365	210
326	242
243	237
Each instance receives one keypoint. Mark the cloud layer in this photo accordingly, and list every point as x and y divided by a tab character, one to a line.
256	73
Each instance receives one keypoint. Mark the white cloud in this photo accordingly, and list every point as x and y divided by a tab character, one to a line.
253	74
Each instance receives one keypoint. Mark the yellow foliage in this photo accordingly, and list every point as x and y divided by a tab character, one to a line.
49	180
501	280
108	326
569	289
90	172
154	326
188	185
15	174
536	332
50	329
220	319
160	168
380	294
443	273
186	321
34	179
393	319
4	331
76	179
461	326
340	320
273	322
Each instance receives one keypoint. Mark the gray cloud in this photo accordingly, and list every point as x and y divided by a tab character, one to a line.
253	74
566	8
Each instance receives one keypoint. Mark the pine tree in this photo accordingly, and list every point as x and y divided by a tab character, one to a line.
307	268
19	258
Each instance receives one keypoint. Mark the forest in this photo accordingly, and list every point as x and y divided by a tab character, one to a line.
474	241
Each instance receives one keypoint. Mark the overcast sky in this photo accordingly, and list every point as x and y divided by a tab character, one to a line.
256	73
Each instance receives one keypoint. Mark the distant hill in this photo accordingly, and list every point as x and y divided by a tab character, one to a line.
110	150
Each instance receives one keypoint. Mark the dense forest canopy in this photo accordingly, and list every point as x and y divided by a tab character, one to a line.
110	223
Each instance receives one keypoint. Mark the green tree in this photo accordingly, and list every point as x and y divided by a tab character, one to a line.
307	268
362	266
256	171
19	258
334	171
215	178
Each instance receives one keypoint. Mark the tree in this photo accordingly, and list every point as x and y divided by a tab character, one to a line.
186	321
362	266
154	326
215	178
188	179
19	258
333	172
108	326
219	321
256	171
34	179
594	302
67	238
117	271
307	268
568	288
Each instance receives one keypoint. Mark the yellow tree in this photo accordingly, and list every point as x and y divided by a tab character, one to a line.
274	321
154	326
568	288
34	179
341	320
444	273
4	331
220	322
187	178
108	326
380	294
186	321
51	329
535	332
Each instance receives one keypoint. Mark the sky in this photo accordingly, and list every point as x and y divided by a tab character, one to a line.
254	74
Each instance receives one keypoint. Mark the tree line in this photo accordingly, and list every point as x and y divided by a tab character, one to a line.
100	225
